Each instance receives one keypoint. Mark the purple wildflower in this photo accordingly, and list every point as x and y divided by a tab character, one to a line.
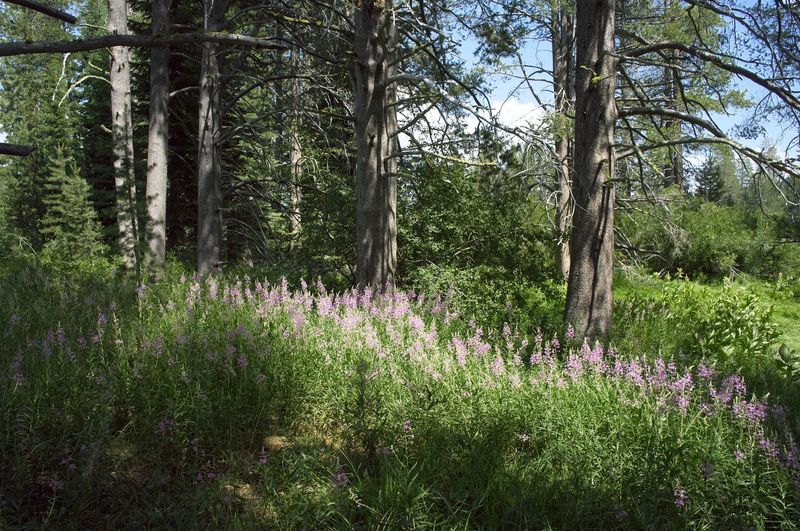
753	412
769	447
705	372
340	479
55	483
682	401
164	426
681	498
498	366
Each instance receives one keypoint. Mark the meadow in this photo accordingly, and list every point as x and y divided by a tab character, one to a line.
232	402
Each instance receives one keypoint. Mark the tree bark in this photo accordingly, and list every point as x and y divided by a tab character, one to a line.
673	171
45	10
561	31
589	297
676	151
11	49
296	155
376	145
158	139
16	150
209	171
122	134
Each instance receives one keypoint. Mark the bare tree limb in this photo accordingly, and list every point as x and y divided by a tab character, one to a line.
715	59
142	41
16	150
722	138
45	10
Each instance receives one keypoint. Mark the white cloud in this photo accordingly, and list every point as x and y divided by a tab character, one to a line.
512	113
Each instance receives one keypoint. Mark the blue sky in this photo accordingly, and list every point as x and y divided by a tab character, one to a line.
521	105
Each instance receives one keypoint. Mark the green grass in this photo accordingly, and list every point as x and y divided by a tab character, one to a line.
230	404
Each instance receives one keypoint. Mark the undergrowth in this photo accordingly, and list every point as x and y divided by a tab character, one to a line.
226	402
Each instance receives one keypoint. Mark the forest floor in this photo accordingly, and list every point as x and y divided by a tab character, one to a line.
231	403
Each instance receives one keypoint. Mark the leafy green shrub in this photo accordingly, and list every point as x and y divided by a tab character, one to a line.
449	216
706	239
491	296
789	362
729	325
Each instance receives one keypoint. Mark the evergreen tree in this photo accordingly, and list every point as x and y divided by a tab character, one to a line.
32	112
70	225
710	185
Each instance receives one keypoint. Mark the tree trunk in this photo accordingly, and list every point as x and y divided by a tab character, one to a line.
122	133
561	33
676	151
589	297
158	139
209	171
376	146
295	155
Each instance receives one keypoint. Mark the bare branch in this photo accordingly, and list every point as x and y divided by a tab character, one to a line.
143	41
16	150
715	59
45	10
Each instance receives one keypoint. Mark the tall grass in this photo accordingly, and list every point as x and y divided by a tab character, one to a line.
226	402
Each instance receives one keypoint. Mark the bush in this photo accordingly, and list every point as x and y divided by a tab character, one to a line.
491	297
730	327
707	239
452	217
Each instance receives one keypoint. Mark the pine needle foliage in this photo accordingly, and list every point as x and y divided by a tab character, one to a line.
70	223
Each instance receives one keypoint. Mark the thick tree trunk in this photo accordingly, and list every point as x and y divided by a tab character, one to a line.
561	33
673	172
589	297
209	171
296	155
676	152
376	146
122	133
158	139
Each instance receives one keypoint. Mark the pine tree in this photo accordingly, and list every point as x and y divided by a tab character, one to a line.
70	223
32	113
710	185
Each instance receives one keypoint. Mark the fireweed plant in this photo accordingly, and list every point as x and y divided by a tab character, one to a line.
229	402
